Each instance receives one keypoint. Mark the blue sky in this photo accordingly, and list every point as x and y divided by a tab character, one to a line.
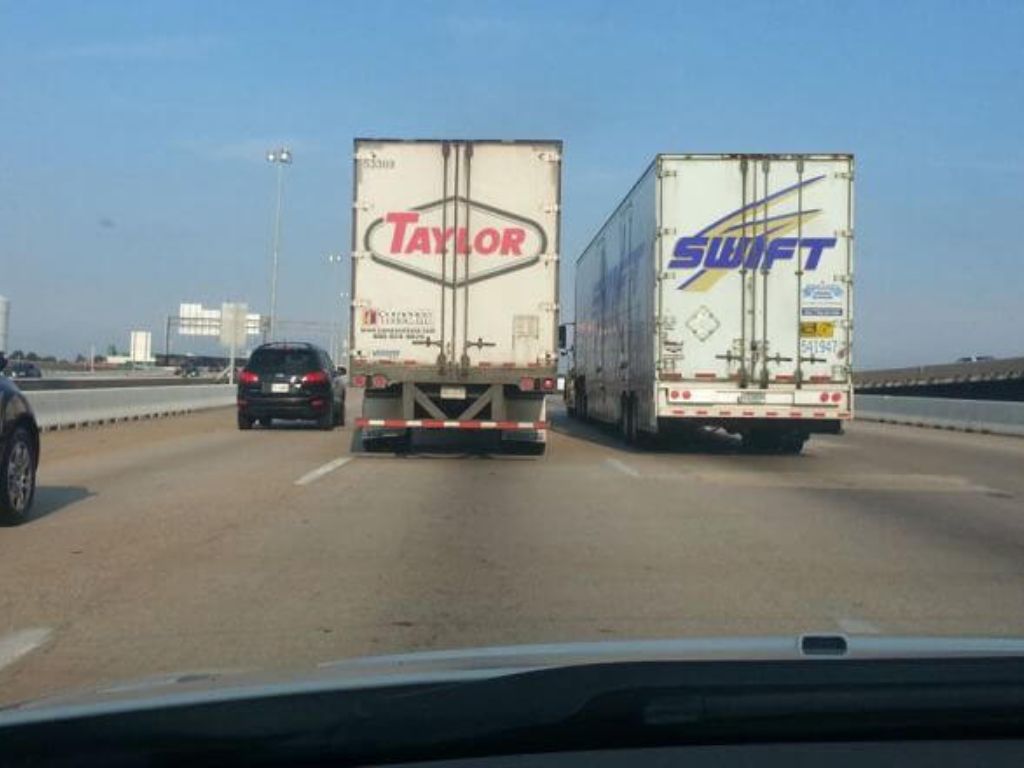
132	174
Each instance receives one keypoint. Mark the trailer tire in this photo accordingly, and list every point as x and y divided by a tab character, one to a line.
633	420
520	448
792	443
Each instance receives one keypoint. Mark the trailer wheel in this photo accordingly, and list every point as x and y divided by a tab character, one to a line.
792	443
633	420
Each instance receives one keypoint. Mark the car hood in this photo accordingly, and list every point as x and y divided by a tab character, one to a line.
453	666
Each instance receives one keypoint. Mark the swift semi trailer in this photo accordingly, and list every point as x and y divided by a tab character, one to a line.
454	319
719	294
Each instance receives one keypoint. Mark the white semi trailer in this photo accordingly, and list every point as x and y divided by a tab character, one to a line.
455	287
720	294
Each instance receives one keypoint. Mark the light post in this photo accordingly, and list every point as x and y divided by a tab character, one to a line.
280	157
335	261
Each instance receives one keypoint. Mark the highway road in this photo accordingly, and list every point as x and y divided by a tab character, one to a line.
183	545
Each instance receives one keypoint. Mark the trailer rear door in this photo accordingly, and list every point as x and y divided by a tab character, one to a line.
757	273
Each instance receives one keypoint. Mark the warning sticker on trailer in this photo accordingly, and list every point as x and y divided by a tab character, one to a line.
400	324
817	330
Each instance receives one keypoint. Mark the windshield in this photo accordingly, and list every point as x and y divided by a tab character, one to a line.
354	329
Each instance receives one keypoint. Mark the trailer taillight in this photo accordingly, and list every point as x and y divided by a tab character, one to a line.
526	384
358	381
823	397
837	396
548	384
379	381
686	394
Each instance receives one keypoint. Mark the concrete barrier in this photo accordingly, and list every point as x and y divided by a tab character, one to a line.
71	408
995	416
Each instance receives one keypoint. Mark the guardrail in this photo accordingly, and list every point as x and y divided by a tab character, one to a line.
59	409
995	416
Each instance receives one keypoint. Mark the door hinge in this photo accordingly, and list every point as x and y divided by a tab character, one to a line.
844	175
666	231
360	206
361	255
663	174
848	233
550	157
359	303
547	306
552	208
549	258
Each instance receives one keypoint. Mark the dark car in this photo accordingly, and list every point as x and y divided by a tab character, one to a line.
19	452
24	370
290	380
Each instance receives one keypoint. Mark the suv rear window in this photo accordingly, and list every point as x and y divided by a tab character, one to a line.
287	361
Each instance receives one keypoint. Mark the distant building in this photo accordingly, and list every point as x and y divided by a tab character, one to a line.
141	347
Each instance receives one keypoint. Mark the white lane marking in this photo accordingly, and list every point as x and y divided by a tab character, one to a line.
623	468
319	472
858	627
17	644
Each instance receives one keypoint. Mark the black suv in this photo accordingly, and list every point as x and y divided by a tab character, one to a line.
19	452
291	380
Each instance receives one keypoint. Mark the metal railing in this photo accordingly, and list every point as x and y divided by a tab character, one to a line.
71	408
996	416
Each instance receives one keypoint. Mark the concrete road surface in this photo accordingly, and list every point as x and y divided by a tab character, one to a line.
184	545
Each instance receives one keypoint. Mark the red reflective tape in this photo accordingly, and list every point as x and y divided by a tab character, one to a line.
796	413
702	412
705	375
410	362
484	365
771	413
784	377
678	412
725	413
748	413
469	425
508	365
821	378
819	414
395	423
844	414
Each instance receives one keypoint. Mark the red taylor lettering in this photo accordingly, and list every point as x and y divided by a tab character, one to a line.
409	239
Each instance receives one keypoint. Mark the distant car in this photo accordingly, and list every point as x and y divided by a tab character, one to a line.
19	452
975	359
291	380
24	370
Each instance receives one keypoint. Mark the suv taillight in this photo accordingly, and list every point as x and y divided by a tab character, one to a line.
248	377
316	377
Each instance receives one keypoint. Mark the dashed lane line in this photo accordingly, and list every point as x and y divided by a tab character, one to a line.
17	644
316	474
622	467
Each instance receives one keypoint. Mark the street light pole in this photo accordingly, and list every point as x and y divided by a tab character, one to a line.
281	157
